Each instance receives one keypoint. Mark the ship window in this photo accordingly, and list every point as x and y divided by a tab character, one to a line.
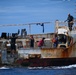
62	46
34	55
62	38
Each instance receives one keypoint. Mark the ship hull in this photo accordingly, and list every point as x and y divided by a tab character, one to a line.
43	57
48	57
45	62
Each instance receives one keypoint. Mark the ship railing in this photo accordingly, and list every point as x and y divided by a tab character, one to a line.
25	43
36	36
63	23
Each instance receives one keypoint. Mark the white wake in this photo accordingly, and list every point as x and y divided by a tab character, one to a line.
54	67
3	67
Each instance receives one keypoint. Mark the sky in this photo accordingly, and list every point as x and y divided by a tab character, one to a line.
34	11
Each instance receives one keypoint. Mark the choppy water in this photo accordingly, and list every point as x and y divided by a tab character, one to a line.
63	70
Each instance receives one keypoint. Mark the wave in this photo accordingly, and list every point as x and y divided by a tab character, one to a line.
54	67
35	67
65	67
3	67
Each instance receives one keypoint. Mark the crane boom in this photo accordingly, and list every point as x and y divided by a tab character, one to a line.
29	24
25	24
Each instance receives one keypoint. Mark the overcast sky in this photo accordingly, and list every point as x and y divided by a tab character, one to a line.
32	11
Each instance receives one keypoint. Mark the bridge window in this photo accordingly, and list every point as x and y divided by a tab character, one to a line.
62	38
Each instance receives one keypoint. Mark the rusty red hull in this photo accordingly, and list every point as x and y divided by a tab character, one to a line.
45	62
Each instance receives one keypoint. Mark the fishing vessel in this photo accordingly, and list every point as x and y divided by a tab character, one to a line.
47	55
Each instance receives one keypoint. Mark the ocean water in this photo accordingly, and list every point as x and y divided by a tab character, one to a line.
63	70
